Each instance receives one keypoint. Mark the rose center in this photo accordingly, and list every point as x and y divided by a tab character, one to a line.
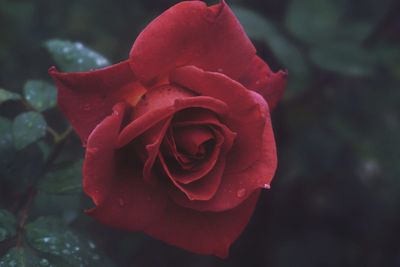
194	142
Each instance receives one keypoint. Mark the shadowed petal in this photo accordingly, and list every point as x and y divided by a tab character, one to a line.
203	232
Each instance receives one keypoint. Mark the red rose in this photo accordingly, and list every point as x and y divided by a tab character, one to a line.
178	137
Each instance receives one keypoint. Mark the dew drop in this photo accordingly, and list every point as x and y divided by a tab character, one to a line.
100	61
91	245
92	150
44	262
121	201
266	186
86	107
241	192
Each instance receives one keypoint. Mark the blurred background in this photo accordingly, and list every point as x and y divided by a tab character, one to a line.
335	200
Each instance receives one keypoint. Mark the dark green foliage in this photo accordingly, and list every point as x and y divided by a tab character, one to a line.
40	95
27	128
8	225
63	181
51	235
71	56
21	257
7	96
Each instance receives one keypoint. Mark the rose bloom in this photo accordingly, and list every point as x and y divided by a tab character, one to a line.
178	137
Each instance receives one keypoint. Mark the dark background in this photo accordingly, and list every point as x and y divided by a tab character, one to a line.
335	200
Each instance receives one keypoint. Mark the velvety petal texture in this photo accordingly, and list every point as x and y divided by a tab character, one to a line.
86	98
190	33
260	78
179	140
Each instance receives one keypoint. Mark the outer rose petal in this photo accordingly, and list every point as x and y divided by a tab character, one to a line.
202	232
190	33
260	78
245	117
86	98
116	188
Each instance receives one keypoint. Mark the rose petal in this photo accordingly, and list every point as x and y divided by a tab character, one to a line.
246	117
156	136
86	98
131	203
152	117
236	187
190	33
260	78
202	232
100	152
190	140
113	187
201	188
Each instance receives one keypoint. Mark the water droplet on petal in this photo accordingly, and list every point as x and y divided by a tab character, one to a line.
92	150
121	201
266	186
86	107
241	192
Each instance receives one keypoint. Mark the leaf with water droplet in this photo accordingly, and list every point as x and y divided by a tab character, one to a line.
76	57
40	95
7	96
63	181
8	225
20	257
51	235
27	128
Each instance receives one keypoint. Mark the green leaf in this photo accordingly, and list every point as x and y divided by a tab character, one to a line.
51	235
343	58
7	149
21	257
40	95
28	127
259	28
8	225
75	57
7	96
22	168
64	181
314	21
